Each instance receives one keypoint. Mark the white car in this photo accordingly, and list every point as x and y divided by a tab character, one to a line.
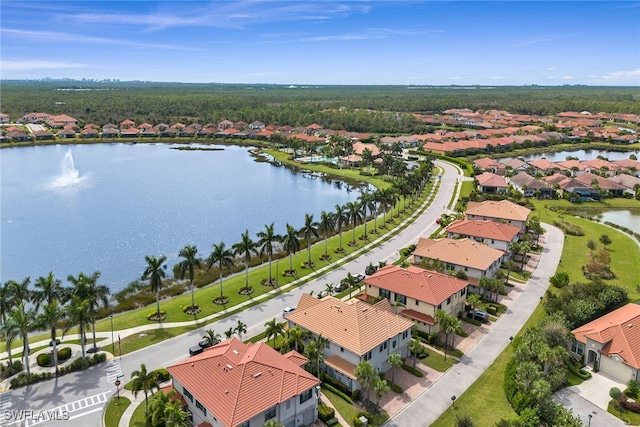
359	277
287	310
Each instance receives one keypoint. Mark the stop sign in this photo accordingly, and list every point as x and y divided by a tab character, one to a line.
117	383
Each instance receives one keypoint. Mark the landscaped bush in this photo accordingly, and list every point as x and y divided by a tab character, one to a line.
162	375
356	395
43	359
633	389
22	379
154	315
396	388
410	369
64	354
472	321
628	405
6	371
334	382
325	412
337	392
568	228
580	373
492	310
332	421
185	308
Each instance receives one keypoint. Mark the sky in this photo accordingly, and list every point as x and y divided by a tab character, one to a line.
325	42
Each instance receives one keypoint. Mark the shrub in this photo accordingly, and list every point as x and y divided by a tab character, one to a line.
396	388
64	354
492	310
626	404
355	396
43	359
162	375
332	421
334	382
633	389
153	315
337	392
615	393
325	412
410	369
185	309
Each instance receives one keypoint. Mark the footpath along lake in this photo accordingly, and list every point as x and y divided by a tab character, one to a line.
105	207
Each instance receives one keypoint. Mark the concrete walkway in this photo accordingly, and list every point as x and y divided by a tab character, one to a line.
437	398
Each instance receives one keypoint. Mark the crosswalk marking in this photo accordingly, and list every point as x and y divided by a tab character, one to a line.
114	371
68	410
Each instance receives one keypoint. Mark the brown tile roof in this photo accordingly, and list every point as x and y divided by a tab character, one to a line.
544	165
421	317
486	229
464	252
502	209
620	330
417	283
231	379
356	326
605	184
488	179
343	366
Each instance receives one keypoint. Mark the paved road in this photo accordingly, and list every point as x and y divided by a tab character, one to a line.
436	399
84	390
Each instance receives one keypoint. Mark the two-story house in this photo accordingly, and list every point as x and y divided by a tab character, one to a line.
475	259
419	293
233	384
501	211
492	233
356	331
490	183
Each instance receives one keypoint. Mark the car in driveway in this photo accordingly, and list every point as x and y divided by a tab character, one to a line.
481	316
204	343
288	310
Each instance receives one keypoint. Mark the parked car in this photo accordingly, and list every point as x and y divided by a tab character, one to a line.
481	316
358	277
204	343
287	310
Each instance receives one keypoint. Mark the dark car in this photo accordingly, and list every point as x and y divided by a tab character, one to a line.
481	316
204	343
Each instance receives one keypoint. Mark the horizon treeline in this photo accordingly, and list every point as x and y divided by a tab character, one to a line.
332	107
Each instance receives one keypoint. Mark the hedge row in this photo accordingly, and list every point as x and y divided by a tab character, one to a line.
337	392
334	383
77	365
325	412
410	369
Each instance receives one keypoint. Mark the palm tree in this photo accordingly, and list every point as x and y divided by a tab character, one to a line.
315	352
474	301
274	329
267	239
245	247
453	326
240	329
229	332
25	320
19	292
50	289
395	361
10	329
223	257
350	282
144	381
188	265
415	347
211	337
175	416
86	288
365	375
443	320
310	229
368	201
381	387
354	213
367	158
294	336
341	220
51	317
329	288
78	312
155	273
6	301
291	244
326	225
155	413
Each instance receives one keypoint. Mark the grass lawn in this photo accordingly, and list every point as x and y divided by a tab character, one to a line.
114	411
630	418
573	379
436	360
138	419
342	406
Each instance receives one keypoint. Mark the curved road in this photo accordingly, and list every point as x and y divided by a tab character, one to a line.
81	396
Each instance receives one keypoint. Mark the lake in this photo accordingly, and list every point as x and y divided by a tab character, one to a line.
105	207
561	156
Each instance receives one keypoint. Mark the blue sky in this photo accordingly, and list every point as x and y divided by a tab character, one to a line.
325	42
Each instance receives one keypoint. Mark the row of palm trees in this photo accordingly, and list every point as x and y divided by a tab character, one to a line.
52	306
369	205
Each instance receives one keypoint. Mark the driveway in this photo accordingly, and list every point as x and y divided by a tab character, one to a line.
591	398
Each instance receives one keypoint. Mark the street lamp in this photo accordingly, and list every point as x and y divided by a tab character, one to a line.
277	274
453	400
113	343
590	416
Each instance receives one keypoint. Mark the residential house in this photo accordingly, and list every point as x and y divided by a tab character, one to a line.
67	133
130	132
235	384
257	125
88	132
492	233
312	129
491	183
41	135
516	165
4	119
109	132
574	189
629	165
489	165
418	293
356	331
225	124
475	259
545	167
630	182
36	118
610	188
18	136
61	121
531	187
502	211
612	341
127	123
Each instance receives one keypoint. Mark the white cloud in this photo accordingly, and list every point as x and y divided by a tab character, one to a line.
454	78
626	77
10	65
496	78
568	77
551	69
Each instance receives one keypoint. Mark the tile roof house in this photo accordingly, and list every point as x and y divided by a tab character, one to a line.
357	331
515	164
235	384
490	165
612	340
627	181
420	292
629	165
611	188
4	118
502	210
531	187
492	233
475	259
490	183
546	167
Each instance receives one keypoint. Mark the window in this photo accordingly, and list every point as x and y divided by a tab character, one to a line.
202	408
186	393
288	405
463	291
385	294
401	299
439	306
393	344
244	424
306	396
270	413
448	300
577	347
417	302
367	356
342	349
405	334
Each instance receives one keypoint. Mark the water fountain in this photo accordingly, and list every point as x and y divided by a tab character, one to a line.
70	177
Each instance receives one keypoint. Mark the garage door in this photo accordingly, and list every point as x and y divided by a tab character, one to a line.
615	369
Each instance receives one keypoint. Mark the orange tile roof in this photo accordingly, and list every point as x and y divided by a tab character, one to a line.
620	330
465	252
544	164
502	209
356	326
488	179
230	379
421	317
417	283
341	365
486	229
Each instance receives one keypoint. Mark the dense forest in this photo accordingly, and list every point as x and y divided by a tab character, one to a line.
333	107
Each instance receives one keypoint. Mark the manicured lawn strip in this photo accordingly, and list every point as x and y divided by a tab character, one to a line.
114	411
573	379
154	336
466	189
628	417
436	360
485	400
138	418
343	407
